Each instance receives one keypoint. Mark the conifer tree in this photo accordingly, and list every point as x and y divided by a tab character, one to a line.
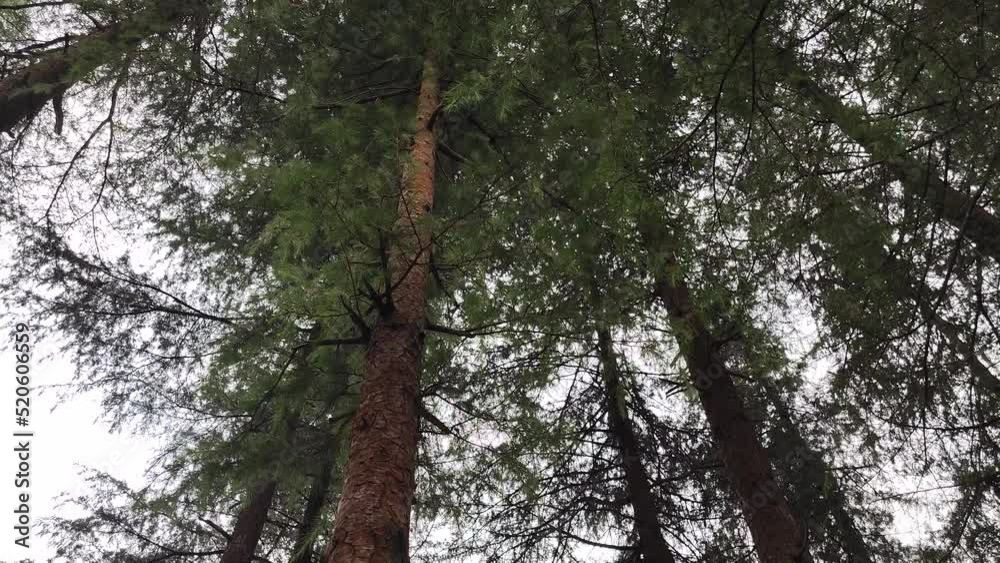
651	542
645	281
383	453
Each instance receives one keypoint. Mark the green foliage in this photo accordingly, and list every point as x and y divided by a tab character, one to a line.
752	153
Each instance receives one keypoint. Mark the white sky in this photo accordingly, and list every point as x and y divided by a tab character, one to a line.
67	438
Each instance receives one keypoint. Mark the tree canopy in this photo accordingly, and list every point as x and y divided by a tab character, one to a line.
394	280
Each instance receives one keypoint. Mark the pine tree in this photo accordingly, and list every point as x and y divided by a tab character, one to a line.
651	542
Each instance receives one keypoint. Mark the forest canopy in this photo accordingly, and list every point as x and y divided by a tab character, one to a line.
554	281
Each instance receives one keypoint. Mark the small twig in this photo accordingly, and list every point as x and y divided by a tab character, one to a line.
356	318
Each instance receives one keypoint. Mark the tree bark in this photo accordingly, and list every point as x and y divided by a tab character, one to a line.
25	92
253	516
250	524
373	519
777	533
251	520
303	550
652	546
975	223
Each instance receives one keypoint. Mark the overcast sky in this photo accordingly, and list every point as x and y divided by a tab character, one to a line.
68	437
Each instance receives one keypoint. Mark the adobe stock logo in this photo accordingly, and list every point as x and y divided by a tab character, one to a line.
23	436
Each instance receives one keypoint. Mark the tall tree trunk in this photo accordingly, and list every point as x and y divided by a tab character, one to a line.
303	550
251	520
25	92
250	524
820	494
976	224
777	533
652	546
373	519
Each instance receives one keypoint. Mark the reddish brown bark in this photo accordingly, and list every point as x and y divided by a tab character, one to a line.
652	545
25	92
373	519
249	524
777	533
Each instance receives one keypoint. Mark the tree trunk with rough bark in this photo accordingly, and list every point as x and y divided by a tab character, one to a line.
250	521
652	546
777	533
250	524
373	518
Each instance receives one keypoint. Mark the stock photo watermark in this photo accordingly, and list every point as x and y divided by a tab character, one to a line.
23	436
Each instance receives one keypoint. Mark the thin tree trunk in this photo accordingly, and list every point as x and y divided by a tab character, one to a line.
251	520
373	519
976	224
250	524
25	92
652	545
821	494
303	550
777	533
